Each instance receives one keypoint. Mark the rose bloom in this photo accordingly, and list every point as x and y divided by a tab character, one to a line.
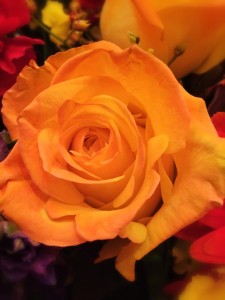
197	27
103	136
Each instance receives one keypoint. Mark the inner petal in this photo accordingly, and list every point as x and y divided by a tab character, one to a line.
90	141
92	144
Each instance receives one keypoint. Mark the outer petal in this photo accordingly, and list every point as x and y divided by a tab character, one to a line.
22	94
23	203
199	185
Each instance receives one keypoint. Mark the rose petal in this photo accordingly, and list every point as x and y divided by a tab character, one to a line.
133	62
41	228
22	94
199	186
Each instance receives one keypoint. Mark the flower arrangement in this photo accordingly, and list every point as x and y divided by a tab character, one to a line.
112	150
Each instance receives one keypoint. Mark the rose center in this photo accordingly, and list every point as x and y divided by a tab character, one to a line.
90	141
92	144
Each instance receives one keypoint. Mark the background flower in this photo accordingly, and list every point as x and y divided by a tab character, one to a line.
205	286
20	257
194	29
54	16
13	14
15	53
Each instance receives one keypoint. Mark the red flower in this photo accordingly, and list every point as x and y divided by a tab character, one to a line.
15	53
13	14
219	121
91	5
92	8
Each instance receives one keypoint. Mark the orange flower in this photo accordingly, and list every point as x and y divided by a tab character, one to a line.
100	133
195	26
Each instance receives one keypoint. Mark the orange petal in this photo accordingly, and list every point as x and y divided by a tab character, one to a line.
33	79
22	94
199	184
141	77
111	249
23	203
125	261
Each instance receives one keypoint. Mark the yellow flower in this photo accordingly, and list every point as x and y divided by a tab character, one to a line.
53	16
204	287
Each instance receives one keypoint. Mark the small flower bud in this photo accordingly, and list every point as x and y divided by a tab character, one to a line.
134	39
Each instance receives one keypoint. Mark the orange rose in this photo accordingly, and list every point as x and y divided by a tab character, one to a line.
195	26
100	134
